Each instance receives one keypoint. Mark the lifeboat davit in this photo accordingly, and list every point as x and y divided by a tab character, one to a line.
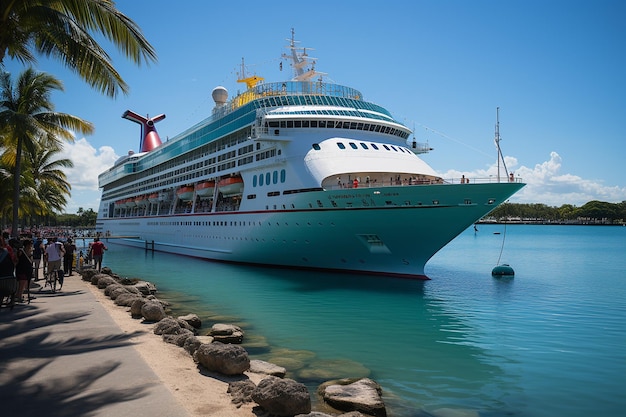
153	198
230	186
129	202
205	189
185	193
142	200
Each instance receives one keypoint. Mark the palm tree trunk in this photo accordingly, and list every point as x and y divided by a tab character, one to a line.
16	186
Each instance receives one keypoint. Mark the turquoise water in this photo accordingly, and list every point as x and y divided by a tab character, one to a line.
550	341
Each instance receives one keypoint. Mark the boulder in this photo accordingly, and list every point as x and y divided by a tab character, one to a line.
88	274
178	339
109	289
241	392
262	367
223	358
146	288
185	325
226	333
115	291
105	280
282	396
106	270
153	311
135	308
191	345
364	395
96	278
126	299
167	325
193	320
128	281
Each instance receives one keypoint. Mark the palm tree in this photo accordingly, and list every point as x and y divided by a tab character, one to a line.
62	29
49	179
26	114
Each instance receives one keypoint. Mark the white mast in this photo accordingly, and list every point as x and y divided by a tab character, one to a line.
497	138
300	61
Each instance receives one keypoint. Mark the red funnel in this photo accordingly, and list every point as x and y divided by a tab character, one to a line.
149	139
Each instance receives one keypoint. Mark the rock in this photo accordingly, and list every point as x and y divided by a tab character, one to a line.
135	307
105	280
96	278
126	299
88	274
223	358
146	288
318	414
153	311
282	397
362	395
128	281
191	345
133	290
205	339
262	367
109	289
227	333
116	290
167	325
241	392
193	320
186	325
178	339
325	370
106	270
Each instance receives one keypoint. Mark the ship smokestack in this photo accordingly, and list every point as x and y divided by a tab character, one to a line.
149	138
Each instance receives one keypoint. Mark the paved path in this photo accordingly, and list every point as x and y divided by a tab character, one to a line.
63	355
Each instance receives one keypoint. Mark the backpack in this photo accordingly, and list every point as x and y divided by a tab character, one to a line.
7	268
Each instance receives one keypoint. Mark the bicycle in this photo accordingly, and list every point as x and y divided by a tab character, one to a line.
54	276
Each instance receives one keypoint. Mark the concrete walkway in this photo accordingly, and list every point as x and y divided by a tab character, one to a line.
63	355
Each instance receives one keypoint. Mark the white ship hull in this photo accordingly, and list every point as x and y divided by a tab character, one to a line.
394	240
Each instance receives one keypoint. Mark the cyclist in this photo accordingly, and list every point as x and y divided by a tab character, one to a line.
54	253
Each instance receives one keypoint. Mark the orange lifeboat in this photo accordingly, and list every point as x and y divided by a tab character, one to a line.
153	198
185	193
142	200
205	189
230	186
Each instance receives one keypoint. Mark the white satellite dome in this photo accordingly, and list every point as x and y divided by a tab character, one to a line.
220	95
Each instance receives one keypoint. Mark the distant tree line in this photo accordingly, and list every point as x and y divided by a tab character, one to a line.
593	212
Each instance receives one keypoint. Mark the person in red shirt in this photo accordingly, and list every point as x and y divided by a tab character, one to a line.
97	251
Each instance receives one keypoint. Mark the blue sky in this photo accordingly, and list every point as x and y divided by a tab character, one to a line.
555	68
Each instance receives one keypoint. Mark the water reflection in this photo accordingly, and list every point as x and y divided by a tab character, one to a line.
402	333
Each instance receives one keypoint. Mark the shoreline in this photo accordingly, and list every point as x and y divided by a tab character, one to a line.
202	393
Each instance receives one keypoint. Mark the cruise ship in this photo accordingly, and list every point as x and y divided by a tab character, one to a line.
300	174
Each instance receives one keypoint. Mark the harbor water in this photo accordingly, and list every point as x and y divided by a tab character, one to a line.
549	342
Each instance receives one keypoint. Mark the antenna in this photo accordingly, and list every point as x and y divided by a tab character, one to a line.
497	141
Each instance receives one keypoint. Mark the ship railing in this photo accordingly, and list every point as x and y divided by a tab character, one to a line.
286	88
305	88
420	182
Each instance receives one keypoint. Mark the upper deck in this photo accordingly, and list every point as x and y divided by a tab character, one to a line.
322	99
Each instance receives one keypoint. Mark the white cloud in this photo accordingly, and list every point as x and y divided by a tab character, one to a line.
89	162
545	184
